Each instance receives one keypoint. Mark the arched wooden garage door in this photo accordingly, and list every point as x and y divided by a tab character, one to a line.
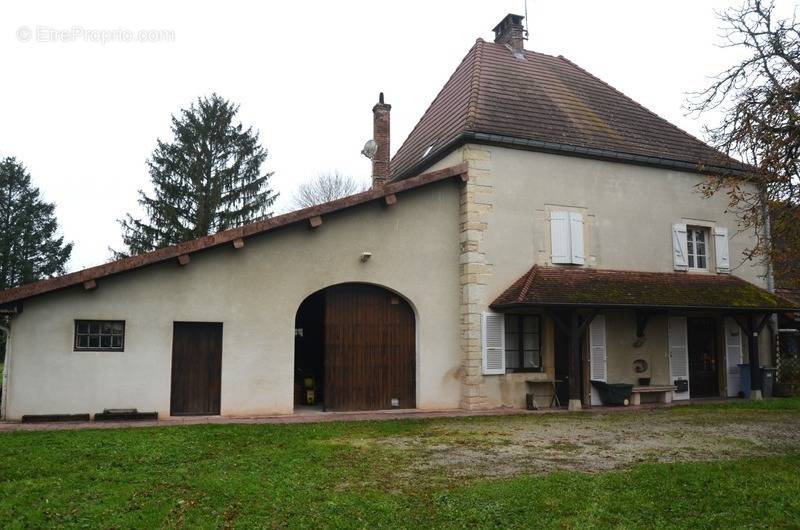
370	349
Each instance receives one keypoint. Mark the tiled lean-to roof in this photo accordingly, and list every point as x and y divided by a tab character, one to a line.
180	253
546	103
570	286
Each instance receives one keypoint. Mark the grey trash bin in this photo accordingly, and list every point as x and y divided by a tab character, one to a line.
767	380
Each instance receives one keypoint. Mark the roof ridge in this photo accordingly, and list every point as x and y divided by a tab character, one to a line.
475	84
528	283
650	112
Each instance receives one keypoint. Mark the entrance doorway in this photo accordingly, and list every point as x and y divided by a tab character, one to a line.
355	349
196	368
703	363
561	352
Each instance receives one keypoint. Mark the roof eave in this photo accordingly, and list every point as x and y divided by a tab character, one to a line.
562	149
23	292
649	307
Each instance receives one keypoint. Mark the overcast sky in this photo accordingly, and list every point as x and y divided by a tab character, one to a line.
83	115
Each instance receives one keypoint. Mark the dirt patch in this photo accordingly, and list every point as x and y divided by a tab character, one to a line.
505	446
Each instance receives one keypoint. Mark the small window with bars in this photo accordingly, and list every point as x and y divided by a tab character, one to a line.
523	343
99	335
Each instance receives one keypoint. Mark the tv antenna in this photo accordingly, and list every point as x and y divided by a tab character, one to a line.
526	20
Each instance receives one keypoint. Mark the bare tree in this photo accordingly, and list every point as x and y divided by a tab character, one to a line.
326	187
760	102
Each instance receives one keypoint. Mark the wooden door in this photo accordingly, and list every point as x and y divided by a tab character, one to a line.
702	340
370	349
196	368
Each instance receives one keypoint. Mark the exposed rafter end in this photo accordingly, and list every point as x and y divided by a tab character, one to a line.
315	221
90	285
238	243
184	260
390	199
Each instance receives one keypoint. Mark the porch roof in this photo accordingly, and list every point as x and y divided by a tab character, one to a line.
583	287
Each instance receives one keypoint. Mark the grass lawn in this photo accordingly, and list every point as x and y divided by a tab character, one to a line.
415	473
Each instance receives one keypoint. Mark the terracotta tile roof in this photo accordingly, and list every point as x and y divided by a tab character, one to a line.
91	275
569	286
546	103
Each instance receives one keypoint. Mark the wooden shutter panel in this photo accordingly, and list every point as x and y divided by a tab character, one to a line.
494	343
597	354
733	355
679	248
560	237
678	353
576	238
721	249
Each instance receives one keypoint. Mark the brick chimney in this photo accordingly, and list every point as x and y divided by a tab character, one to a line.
380	133
511	32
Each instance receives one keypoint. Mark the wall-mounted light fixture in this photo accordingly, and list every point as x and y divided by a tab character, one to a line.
365	256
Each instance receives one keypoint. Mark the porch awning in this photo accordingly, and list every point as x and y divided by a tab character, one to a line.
583	287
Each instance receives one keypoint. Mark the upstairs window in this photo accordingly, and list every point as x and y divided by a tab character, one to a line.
566	238
99	335
523	343
697	248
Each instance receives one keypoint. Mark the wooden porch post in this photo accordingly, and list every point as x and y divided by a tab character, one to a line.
574	362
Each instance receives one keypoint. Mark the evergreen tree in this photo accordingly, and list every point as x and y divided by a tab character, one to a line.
30	249
207	179
29	246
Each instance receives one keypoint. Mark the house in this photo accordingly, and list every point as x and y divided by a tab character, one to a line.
537	230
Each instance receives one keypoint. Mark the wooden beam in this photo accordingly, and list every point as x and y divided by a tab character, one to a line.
90	285
315	221
574	362
642	318
184	260
586	322
763	322
560	324
238	243
390	199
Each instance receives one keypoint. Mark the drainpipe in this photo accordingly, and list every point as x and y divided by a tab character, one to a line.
775	345
4	397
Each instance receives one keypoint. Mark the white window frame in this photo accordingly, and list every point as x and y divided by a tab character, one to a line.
691	254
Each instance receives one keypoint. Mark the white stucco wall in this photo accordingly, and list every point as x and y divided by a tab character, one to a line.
628	212
255	293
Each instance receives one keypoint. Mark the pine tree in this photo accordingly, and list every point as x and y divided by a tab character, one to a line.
30	249
207	179
29	246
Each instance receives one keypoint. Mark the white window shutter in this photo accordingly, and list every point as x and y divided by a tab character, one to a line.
576	238
721	249
494	343
733	355
560	237
678	353
679	248
598	359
